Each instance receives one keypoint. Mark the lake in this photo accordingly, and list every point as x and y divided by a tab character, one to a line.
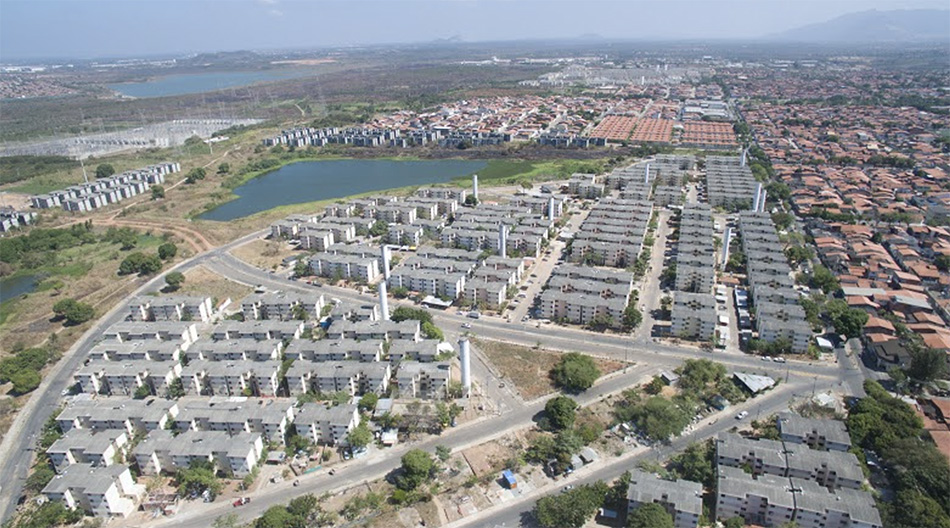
13	287
310	181
204	82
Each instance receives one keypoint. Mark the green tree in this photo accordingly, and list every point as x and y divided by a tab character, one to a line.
927	364
560	412
575	372
224	168
140	263
696	463
846	320
379	228
942	262
368	402
278	517
417	467
403	313
41	476
430	331
73	311
650	515
823	278
196	478
660	418
158	191
104	170
631	317
360	436
25	381
571	509
167	251
734	522
174	280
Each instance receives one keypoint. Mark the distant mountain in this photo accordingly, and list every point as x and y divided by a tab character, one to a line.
920	25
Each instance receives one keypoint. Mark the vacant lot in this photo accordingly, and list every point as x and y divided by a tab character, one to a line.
202	281
264	254
528	368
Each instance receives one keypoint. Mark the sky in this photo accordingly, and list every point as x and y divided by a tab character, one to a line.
33	29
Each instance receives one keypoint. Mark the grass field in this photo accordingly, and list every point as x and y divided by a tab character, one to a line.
529	368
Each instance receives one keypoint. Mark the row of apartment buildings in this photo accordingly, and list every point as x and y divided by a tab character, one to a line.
105	191
778	314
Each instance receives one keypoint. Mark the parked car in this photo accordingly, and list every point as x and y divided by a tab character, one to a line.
466	325
241	501
742	415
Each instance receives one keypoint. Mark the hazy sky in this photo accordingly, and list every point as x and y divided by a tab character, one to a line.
103	28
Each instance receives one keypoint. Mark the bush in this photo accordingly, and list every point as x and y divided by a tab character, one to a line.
174	280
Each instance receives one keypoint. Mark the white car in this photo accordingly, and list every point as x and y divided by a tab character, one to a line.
466	325
742	415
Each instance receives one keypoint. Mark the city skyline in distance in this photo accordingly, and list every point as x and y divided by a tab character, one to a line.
84	29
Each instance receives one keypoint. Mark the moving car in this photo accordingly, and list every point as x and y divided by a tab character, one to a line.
742	415
241	501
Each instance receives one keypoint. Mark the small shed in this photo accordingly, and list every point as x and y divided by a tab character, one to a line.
510	481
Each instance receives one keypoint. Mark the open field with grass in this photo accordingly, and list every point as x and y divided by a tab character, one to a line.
87	273
529	368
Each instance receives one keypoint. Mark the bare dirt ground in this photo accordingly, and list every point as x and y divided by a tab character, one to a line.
264	254
529	368
202	281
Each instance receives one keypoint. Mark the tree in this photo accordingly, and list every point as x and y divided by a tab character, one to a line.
404	313
650	515
142	392
417	467
174	280
655	386
379	228
927	364
470	200
41	476
846	320
25	381
560	412
140	263
575	372
224	168
823	278
278	517
360	436
302	268
660	418
942	262
696	463
73	311
571	509
158	191
197	478
734	522
430	331
167	251
601	322
104	170
368	402
631	317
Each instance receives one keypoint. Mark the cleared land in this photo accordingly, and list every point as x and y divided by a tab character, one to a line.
529	368
264	254
202	281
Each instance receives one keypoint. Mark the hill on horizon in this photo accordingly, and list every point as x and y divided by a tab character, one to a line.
913	25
